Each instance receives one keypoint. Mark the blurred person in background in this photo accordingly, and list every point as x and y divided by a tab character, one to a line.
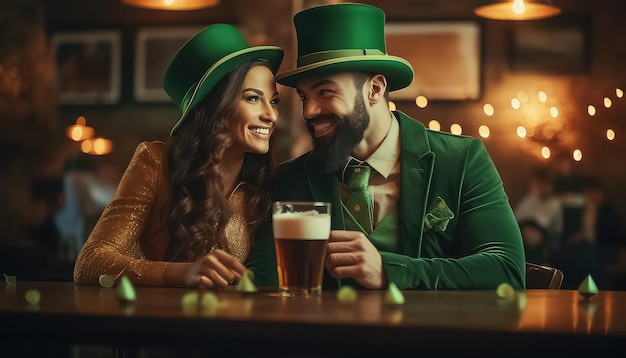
595	245
543	208
569	187
86	196
46	234
536	243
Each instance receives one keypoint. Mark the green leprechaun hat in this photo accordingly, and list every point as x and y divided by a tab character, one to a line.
344	38
205	59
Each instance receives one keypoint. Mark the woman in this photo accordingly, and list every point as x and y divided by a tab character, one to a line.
184	213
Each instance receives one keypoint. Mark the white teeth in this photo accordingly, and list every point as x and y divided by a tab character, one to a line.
321	126
264	131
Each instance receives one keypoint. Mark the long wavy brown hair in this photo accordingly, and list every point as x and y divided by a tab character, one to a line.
198	210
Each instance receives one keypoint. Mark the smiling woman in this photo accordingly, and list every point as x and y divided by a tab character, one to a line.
184	211
254	117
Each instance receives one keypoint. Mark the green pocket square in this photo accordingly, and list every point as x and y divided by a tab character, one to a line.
438	216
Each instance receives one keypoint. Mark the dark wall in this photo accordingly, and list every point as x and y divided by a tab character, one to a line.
269	22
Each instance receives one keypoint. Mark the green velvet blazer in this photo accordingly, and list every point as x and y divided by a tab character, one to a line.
478	246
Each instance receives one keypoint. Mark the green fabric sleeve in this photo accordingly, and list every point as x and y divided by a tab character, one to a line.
262	259
485	230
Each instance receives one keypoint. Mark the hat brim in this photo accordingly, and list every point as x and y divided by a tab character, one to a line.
398	71
273	54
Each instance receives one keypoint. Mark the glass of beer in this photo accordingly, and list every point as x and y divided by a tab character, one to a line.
301	231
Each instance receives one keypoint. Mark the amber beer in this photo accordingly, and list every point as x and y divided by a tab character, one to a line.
301	232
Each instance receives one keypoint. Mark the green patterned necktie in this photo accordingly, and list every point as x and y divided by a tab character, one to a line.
359	202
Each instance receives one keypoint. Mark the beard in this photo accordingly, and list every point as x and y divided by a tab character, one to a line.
331	152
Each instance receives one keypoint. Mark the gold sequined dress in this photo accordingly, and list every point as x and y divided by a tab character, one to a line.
131	236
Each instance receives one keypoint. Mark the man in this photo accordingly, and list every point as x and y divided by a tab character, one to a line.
541	206
441	218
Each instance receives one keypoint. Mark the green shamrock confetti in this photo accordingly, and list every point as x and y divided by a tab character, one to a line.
346	294
125	290
393	295
521	301
246	284
190	302
211	304
33	296
11	280
106	281
588	288
505	290
209	299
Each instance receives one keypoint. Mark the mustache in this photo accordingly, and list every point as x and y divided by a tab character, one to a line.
323	118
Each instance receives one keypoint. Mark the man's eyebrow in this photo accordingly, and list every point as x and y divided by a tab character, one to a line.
318	84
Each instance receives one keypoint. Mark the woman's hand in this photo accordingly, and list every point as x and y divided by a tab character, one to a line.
214	270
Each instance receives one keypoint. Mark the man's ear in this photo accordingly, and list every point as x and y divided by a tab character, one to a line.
377	88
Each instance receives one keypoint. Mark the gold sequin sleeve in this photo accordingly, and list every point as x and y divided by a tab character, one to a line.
237	229
113	247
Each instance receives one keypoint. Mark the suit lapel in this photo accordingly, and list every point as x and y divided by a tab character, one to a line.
416	165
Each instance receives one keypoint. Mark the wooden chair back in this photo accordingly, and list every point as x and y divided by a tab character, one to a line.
543	277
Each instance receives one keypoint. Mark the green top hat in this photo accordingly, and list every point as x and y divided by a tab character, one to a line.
344	38
207	57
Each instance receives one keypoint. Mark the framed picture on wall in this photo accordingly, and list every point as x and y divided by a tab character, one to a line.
154	48
445	57
559	44
88	66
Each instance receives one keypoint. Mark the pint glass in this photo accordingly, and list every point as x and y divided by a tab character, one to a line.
301	231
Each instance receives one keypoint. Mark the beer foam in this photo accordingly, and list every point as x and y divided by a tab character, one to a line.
309	225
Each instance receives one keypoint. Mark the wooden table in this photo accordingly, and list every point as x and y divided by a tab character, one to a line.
536	322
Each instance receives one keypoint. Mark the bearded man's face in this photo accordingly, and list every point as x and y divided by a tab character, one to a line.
336	117
331	152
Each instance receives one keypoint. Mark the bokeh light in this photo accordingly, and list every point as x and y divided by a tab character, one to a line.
434	125
488	109
484	131
421	101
